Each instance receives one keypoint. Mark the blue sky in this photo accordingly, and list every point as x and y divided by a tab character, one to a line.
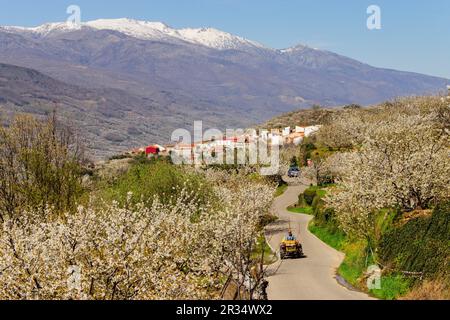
415	35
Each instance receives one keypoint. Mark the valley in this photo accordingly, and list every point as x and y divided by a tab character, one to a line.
146	79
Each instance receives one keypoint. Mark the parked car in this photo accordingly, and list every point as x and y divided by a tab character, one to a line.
293	172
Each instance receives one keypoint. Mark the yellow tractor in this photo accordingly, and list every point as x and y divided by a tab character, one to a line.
290	248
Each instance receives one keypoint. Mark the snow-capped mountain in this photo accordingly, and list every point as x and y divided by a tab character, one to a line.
139	80
146	30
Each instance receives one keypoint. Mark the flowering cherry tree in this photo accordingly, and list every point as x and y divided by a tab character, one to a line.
402	163
182	249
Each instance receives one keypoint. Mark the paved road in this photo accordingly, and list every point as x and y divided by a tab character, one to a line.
310	278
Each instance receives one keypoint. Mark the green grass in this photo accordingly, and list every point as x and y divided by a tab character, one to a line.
305	210
280	190
320	191
354	264
333	239
392	287
315	188
352	267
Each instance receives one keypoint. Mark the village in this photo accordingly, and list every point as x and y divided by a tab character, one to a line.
217	145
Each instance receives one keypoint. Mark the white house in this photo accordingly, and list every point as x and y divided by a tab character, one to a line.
286	131
310	130
299	129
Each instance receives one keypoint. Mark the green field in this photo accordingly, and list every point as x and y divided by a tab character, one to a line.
305	210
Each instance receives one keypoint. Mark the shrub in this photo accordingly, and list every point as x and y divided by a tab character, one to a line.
430	290
309	195
325	216
392	287
267	219
40	165
155	178
119	157
317	201
420	245
294	162
301	200
325	180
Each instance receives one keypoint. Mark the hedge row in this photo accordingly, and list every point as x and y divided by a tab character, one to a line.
313	196
420	245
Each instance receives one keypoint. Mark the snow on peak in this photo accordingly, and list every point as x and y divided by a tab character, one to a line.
216	39
298	48
129	25
134	28
45	29
146	30
209	37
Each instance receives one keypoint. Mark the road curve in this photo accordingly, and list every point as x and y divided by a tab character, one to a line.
310	278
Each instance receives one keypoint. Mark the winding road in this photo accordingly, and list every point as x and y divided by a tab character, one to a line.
309	278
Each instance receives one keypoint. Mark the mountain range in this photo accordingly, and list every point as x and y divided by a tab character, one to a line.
127	83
